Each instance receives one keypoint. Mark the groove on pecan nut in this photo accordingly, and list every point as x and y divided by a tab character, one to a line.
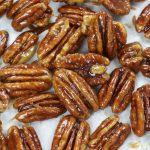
38	107
140	115
71	134
3	41
25	79
92	67
118	90
3	143
110	134
22	49
25	138
76	95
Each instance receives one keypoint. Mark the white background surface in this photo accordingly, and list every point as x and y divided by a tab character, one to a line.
46	129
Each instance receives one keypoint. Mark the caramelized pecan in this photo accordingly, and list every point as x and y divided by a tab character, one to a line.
76	95
60	40
22	49
92	67
21	139
110	134
140	115
118	90
21	80
71	134
38	107
131	56
3	143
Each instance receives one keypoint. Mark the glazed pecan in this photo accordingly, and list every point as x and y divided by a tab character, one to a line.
76	95
21	139
3	143
60	40
118	90
3	41
140	115
38	107
145	66
22	49
131	56
92	67
21	80
71	134
110	134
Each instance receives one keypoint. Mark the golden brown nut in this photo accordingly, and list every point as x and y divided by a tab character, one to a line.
3	142
21	139
71	134
110	134
140	115
92	67
76	95
22	80
118	90
38	107
130	56
60	40
22	49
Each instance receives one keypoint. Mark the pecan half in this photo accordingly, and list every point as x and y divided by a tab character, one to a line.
3	41
110	134
140	115
71	134
25	138
21	80
92	67
76	95
145	66
118	90
22	49
60	40
131	56
38	107
3	143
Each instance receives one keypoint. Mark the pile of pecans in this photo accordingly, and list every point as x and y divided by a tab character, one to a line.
81	82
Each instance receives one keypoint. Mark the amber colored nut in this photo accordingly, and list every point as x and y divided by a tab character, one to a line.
3	141
91	66
25	138
71	134
3	41
25	79
139	115
75	93
38	107
117	92
130	56
110	134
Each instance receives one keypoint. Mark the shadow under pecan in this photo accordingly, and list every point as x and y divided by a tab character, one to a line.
38	107
145	66
75	93
130	56
71	134
22	49
3	142
110	134
21	139
61	39
140	106
92	67
22	80
117	92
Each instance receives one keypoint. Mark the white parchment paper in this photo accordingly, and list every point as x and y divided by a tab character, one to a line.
46	129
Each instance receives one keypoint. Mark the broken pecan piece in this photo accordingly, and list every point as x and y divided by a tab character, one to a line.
76	95
25	138
38	107
118	90
3	143
24	79
22	49
71	134
110	134
140	115
92	67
